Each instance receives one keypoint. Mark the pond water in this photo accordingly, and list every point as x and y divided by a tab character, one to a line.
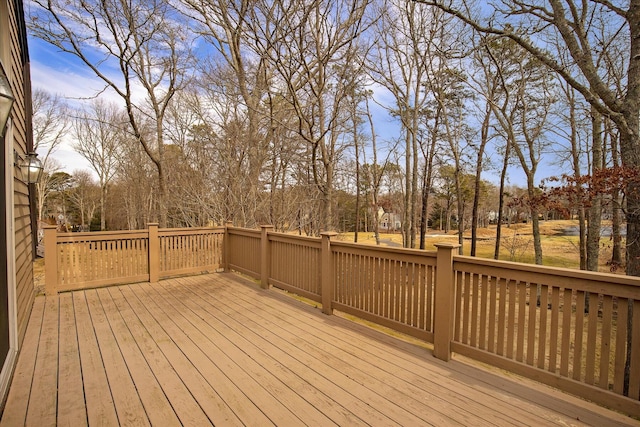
605	231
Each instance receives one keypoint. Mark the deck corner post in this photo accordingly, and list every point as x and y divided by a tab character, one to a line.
154	252
444	301
326	272
226	245
265	256
50	260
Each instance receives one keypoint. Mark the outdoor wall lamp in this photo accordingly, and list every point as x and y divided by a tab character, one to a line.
30	165
6	100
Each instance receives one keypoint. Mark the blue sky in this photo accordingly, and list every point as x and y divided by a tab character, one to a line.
60	73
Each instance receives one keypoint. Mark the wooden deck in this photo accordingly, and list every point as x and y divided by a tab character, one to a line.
215	349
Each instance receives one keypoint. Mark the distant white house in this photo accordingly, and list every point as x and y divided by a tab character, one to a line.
389	221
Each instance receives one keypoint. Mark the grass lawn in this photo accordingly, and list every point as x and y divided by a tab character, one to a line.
558	249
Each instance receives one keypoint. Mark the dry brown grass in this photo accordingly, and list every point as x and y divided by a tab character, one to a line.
38	275
516	245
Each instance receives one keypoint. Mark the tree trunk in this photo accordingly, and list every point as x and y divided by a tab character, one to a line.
616	207
594	220
408	196
103	217
631	160
484	136
355	142
503	177
460	207
582	237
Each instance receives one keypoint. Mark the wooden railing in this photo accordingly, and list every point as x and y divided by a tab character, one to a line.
528	319
564	327
575	330
86	260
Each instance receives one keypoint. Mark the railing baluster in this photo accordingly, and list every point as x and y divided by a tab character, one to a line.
502	313
542	325
578	339
523	289
511	321
553	330
634	369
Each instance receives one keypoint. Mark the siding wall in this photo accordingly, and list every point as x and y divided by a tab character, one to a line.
15	59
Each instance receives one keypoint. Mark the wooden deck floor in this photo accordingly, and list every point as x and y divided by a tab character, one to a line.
215	349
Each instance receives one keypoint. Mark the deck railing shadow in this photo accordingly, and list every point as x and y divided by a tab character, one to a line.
574	330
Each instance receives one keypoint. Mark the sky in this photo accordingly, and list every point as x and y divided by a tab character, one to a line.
58	73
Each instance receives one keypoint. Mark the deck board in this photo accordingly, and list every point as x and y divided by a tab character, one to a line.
216	349
71	406
15	410
43	403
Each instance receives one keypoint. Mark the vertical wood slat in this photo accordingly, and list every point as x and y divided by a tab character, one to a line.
592	333
634	371
578	328
542	328
513	287
522	312
428	310
416	296
474	310
492	314
605	342
553	339
458	307
465	315
567	308
399	281
621	345
377	308
483	313
501	316
387	287
531	323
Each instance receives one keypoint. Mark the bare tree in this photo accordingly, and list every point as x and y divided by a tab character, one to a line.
313	47
50	124
86	195
137	48
98	132
400	65
229	27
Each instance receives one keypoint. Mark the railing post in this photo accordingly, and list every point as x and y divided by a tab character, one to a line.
326	272
50	259
226	244
154	252
444	301
265	256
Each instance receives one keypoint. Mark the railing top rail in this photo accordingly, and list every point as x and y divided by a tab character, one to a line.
386	249
283	237
99	233
187	231
244	231
590	281
95	236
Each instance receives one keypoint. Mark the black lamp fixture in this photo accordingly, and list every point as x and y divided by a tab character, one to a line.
6	99
30	166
